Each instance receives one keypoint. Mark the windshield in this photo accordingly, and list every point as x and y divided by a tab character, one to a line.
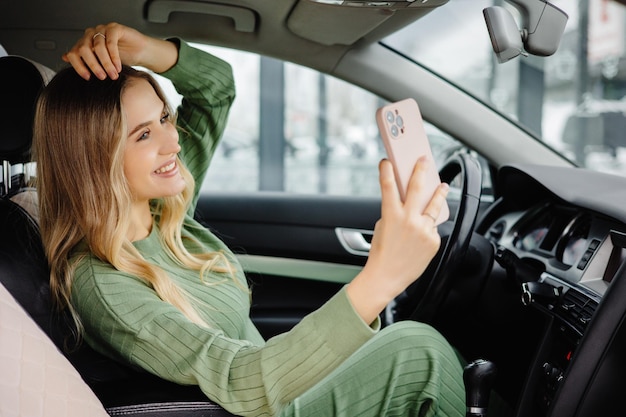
573	100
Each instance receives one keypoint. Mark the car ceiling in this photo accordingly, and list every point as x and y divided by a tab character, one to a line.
317	35
280	28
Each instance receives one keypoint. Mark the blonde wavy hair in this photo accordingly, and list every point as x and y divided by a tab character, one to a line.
79	140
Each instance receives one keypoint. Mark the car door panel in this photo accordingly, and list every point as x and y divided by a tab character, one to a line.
289	248
297	250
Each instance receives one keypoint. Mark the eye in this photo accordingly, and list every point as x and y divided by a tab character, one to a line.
144	135
165	118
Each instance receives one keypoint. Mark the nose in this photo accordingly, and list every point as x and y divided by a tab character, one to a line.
170	139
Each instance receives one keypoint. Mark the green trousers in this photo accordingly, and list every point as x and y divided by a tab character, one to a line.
407	369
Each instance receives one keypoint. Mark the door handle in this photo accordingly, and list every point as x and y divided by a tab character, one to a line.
355	241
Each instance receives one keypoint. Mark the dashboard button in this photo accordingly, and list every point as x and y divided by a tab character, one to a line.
593	245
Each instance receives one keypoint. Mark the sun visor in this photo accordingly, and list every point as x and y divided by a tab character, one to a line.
338	22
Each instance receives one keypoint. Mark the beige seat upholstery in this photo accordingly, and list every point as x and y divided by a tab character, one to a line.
27	198
36	379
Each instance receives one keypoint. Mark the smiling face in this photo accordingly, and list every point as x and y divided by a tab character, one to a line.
150	164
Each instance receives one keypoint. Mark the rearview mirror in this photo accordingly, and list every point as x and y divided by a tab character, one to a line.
505	36
543	25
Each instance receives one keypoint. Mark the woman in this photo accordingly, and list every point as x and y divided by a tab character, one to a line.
153	288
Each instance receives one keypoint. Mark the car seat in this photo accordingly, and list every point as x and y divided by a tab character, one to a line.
123	391
37	379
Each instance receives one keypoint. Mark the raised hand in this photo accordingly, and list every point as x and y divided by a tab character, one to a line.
103	49
405	241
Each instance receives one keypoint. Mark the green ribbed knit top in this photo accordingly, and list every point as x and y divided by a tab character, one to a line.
125	319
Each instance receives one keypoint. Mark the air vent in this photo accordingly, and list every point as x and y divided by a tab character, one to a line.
577	309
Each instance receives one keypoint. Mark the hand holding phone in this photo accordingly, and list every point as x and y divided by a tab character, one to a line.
402	130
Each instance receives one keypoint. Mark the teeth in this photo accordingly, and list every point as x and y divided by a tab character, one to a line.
166	168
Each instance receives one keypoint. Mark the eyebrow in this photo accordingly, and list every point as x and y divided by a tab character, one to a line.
139	127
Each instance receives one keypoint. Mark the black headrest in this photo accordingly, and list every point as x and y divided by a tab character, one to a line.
21	81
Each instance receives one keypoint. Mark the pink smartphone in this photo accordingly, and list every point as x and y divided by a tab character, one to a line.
402	130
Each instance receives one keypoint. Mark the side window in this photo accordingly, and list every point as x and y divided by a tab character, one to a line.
295	130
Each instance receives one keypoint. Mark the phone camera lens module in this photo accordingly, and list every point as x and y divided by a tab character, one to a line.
394	130
400	122
389	116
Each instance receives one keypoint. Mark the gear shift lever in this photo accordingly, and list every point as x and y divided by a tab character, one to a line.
478	377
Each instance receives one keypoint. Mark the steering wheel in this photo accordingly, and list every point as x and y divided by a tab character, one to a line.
423	298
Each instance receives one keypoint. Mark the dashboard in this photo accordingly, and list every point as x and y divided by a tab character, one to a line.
577	246
569	224
560	236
